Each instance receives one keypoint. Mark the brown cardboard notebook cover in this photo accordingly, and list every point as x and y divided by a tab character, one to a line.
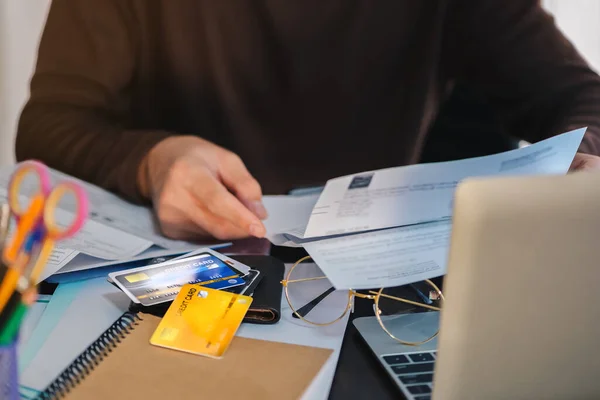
250	369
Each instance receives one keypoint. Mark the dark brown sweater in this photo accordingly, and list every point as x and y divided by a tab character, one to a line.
301	90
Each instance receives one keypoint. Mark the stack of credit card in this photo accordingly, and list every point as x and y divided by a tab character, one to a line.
159	283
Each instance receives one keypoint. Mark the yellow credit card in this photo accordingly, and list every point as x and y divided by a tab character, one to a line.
201	321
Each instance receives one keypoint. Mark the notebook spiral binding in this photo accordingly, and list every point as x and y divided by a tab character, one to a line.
90	358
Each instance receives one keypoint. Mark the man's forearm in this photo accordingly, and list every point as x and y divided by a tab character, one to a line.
85	145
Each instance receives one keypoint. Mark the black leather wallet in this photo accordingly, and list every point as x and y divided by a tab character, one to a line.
266	303
266	306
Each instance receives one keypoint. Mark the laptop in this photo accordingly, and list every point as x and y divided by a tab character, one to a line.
521	318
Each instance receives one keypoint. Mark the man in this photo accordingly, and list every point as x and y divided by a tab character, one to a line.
194	105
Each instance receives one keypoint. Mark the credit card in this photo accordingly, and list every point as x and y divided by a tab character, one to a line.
201	321
128	265
251	281
226	284
154	284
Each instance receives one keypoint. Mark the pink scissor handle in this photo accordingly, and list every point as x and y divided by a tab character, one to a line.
56	232
25	169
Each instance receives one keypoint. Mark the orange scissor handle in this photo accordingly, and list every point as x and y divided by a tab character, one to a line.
26	169
26	225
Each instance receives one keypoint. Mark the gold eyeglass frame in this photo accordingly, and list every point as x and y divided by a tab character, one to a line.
373	295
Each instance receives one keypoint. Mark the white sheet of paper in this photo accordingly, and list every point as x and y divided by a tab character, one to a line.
104	242
385	258
418	193
83	262
295	331
93	239
288	216
60	257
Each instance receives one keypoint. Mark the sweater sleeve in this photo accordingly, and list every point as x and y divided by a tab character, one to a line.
74	118
535	78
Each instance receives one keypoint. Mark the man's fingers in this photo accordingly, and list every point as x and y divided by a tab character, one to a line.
189	221
210	195
256	207
236	178
216	227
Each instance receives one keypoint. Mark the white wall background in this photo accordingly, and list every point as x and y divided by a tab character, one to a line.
580	22
21	22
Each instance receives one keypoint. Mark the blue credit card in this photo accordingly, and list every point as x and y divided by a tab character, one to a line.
226	283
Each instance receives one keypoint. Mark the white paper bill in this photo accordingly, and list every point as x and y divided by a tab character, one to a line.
103	241
60	257
384	258
418	193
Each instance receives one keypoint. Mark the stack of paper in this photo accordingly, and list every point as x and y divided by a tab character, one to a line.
392	226
116	230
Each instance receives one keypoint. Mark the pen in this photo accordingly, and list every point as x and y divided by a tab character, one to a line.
10	308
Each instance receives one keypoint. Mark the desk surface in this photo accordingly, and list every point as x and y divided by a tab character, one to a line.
358	374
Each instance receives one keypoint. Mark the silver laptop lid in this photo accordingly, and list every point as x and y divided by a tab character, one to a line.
522	314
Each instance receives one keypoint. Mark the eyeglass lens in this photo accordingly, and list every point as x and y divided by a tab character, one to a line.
392	311
312	297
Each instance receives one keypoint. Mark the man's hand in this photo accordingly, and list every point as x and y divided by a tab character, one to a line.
200	189
585	162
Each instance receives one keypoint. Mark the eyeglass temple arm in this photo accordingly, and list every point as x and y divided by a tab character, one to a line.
414	303
305	309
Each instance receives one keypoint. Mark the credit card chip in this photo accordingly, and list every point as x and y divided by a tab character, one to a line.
140	276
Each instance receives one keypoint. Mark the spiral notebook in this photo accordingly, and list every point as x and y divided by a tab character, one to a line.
122	364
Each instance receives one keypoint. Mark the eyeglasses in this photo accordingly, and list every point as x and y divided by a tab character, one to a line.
314	300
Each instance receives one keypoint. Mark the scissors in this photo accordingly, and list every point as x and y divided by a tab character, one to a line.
36	225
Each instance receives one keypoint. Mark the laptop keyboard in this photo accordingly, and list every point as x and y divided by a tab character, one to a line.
415	373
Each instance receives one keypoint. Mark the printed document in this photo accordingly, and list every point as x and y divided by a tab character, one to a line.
418	193
384	258
404	195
